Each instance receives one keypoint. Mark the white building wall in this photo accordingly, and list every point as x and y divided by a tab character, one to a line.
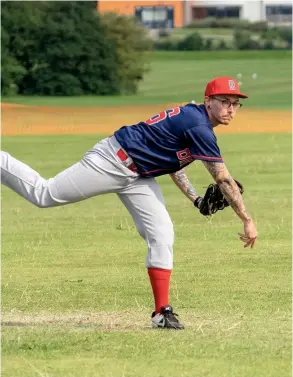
276	2
252	10
214	3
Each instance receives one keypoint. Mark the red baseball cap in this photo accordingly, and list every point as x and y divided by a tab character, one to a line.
223	85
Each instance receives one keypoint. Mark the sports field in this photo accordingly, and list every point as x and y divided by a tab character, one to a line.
76	300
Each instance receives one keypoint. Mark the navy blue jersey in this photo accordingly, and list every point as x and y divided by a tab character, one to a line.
170	140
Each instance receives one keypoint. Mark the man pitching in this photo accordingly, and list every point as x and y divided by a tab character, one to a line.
127	163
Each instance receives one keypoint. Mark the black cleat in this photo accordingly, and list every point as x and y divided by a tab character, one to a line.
166	319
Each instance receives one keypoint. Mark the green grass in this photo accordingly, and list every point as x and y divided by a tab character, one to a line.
76	299
182	77
219	33
221	55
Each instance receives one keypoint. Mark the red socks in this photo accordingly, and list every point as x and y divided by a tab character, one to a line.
160	281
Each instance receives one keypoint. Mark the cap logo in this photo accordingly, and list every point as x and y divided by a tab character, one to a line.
232	85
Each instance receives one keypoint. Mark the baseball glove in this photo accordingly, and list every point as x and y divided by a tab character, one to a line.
213	200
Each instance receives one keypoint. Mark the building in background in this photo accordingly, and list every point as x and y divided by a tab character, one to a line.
157	14
274	11
153	14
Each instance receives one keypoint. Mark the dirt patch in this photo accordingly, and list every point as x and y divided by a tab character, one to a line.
124	321
38	120
11	105
107	321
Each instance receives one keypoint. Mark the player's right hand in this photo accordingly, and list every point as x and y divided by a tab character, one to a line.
250	234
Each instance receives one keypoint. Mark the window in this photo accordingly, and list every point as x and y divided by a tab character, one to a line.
156	17
221	12
279	13
279	9
153	15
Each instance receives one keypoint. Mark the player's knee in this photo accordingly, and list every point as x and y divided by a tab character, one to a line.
45	203
42	204
42	197
164	234
141	231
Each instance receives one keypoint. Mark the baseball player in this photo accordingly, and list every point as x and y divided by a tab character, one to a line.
127	164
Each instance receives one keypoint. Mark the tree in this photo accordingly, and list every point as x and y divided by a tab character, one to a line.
76	57
60	48
12	71
64	48
192	42
19	22
132	44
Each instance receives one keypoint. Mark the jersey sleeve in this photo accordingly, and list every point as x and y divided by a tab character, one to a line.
203	144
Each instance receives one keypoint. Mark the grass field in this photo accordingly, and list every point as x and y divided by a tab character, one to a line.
223	33
76	300
211	33
181	77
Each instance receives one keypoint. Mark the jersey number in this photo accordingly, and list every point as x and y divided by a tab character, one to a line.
163	115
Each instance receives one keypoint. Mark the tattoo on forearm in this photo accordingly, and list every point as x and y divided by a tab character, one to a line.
215	168
233	196
182	181
228	187
190	190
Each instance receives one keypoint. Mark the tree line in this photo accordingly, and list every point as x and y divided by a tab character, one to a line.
67	49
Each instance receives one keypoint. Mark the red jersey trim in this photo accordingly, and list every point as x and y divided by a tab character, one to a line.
208	157
153	171
193	155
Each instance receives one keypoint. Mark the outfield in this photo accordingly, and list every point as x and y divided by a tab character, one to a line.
181	77
75	294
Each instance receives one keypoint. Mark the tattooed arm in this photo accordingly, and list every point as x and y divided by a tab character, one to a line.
228	187
181	180
232	194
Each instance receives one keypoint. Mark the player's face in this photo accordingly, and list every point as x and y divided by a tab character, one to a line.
224	107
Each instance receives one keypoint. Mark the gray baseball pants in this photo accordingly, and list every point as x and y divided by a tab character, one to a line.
101	171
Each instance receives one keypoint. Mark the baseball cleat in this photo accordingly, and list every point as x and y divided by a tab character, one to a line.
166	319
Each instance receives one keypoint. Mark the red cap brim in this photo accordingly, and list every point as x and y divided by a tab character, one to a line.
241	95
